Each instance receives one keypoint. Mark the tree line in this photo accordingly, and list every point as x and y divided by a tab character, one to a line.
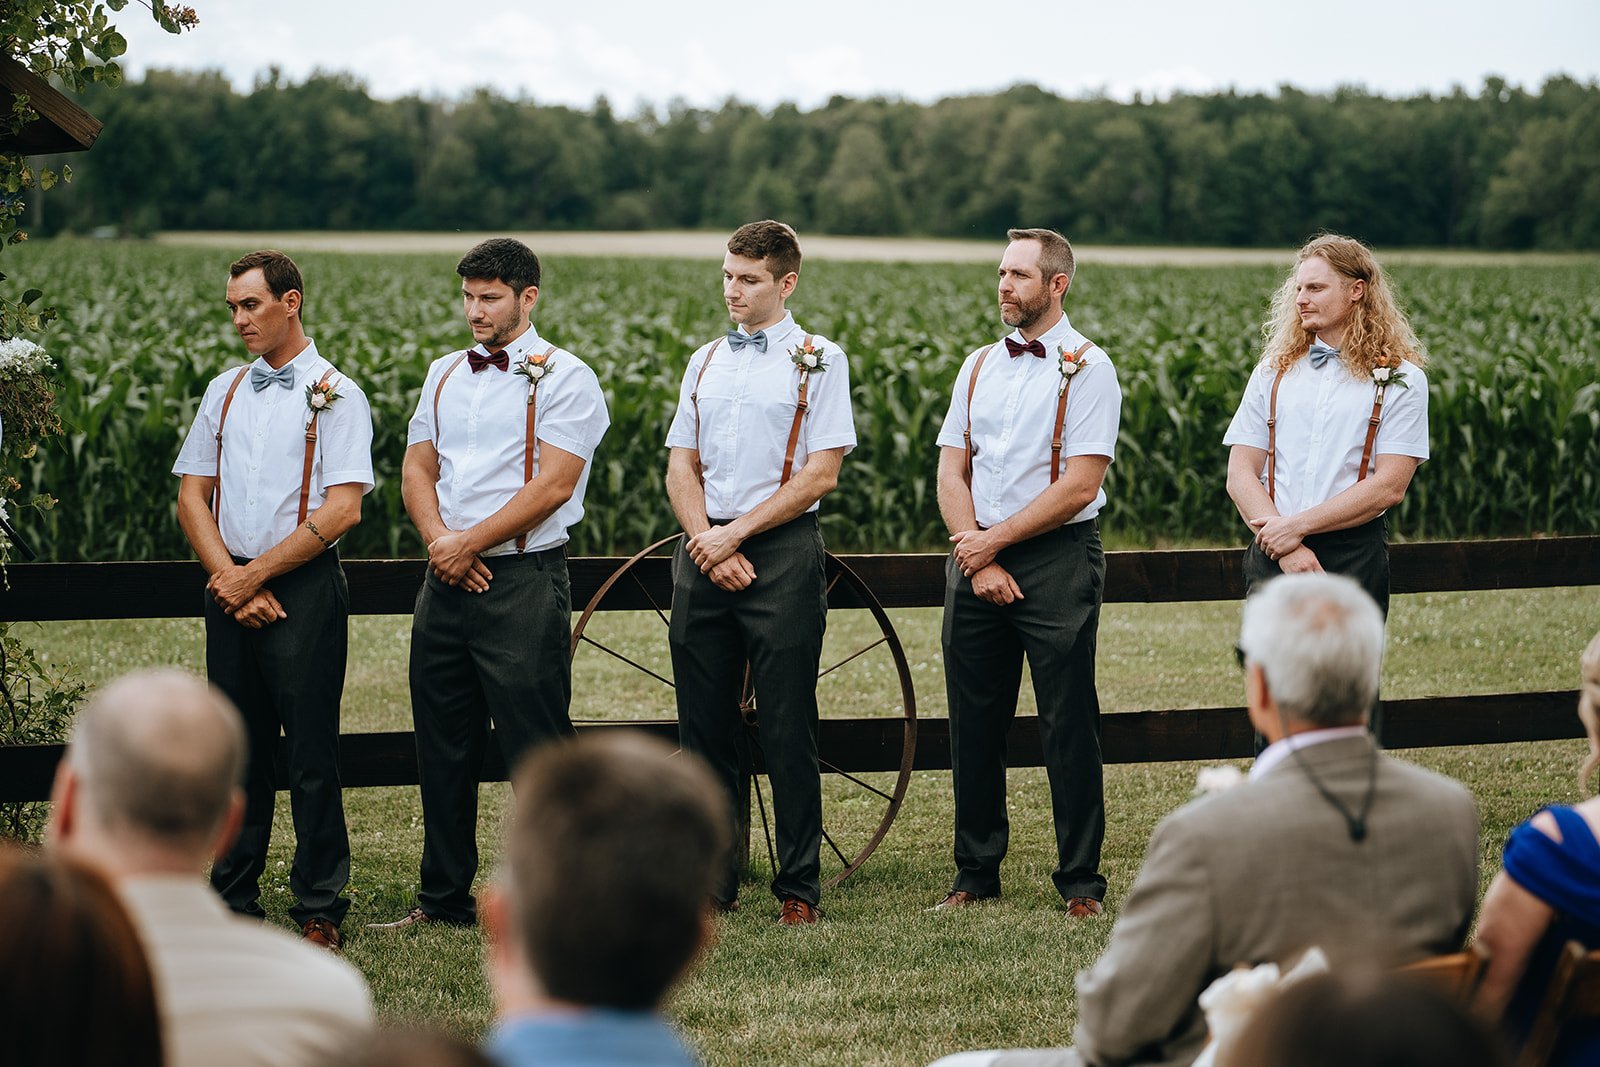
1502	167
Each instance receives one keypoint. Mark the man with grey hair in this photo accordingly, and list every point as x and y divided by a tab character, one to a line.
1329	843
149	792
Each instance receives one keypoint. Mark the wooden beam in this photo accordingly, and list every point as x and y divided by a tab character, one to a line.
863	745
174	589
62	126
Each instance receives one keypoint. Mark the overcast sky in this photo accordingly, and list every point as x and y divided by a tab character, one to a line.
649	53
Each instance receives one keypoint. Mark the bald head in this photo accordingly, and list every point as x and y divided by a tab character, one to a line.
159	754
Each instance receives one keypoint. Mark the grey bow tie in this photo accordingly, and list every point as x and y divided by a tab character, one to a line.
737	339
261	377
1321	353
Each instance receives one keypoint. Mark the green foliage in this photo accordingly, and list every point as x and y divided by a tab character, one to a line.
1503	166
37	702
1515	404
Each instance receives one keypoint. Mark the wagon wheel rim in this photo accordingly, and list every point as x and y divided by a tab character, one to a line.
838	848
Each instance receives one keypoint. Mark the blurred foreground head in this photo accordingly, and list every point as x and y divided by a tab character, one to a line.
151	777
612	855
1372	1019
74	985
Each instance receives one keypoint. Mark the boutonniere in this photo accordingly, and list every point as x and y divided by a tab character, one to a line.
808	358
535	369
1386	371
1070	363
321	395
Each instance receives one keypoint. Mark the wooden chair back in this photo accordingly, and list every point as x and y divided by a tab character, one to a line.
1573	993
1457	974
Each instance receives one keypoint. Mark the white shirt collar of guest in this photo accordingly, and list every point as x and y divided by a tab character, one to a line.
1279	750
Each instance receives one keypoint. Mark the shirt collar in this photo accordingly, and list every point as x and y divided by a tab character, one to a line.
1056	336
1279	750
526	342
305	361
776	331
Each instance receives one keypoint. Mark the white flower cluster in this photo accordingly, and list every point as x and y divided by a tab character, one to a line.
20	356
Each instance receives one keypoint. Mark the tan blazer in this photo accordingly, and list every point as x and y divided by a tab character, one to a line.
1262	872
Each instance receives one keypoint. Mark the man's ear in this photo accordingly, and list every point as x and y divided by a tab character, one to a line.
787	283
1059	286
64	799
528	297
293	299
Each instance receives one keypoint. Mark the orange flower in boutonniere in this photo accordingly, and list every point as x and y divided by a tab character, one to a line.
808	358
1386	371
535	369
1070	363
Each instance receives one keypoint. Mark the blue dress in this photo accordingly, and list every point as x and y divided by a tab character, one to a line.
1565	875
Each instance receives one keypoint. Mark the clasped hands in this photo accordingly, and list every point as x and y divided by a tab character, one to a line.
974	553
453	560
1281	539
716	552
244	600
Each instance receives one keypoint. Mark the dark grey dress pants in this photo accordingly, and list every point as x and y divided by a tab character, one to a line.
777	624
1062	577
501	655
290	676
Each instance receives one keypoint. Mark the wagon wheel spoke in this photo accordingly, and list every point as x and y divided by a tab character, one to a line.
653	605
832	582
868	786
637	666
852	656
766	831
829	839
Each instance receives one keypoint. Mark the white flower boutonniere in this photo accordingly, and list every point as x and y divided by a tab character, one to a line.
321	395
1218	779
1386	371
535	369
1069	363
808	358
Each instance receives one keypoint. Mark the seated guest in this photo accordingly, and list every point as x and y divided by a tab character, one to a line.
1547	894
149	792
407	1047
1329	843
75	990
605	901
1365	1018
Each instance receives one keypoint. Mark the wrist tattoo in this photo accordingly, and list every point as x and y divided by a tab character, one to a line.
318	534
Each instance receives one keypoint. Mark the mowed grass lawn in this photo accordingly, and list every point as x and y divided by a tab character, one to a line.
881	981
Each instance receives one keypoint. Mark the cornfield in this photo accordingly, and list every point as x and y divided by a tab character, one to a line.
1515	399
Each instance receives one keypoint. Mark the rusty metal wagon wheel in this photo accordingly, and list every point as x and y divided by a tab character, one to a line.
864	677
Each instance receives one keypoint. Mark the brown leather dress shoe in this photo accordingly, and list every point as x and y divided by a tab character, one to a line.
957	898
1084	907
415	917
796	913
324	933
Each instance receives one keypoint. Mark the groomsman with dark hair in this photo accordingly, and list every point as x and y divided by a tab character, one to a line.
274	469
1024	449
497	461
762	426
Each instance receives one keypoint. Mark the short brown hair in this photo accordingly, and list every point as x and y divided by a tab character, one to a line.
502	259
278	269
613	852
1055	252
770	240
73	976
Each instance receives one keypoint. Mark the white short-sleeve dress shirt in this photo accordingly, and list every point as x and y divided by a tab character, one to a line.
264	450
1013	421
483	426
747	400
1323	415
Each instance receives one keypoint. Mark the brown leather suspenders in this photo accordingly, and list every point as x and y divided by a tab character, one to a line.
1061	412
311	448
227	402
801	406
1272	436
528	435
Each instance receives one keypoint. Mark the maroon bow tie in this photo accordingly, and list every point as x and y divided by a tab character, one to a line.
1035	346
477	360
